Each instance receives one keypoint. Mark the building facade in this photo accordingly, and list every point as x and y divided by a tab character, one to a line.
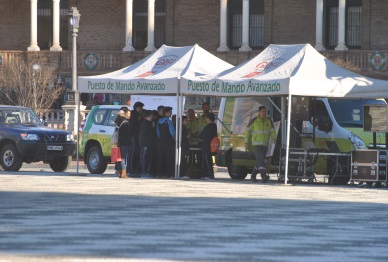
116	33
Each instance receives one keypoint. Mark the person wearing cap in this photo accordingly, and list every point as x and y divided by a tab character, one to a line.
207	134
133	166
259	133
166	148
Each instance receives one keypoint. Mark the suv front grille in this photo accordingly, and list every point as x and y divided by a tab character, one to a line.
52	138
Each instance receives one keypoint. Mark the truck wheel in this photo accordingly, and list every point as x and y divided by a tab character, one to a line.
235	172
61	164
10	158
95	160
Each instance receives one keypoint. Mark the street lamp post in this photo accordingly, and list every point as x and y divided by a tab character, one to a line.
35	68
74	17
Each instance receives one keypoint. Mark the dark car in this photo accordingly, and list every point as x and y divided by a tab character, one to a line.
24	138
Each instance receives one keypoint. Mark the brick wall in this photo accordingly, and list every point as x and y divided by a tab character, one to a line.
188	22
197	22
293	21
379	24
102	25
15	25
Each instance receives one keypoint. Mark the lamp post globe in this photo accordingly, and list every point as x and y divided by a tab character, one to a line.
35	68
74	18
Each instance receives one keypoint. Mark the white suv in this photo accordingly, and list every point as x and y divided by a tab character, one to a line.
95	134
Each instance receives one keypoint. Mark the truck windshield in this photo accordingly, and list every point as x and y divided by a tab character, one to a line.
245	109
348	112
19	116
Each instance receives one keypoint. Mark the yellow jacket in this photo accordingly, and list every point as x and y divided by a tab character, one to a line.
201	122
260	131
193	126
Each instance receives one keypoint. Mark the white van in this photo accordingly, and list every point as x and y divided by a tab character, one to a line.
339	120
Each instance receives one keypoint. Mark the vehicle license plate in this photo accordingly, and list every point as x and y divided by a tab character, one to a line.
54	147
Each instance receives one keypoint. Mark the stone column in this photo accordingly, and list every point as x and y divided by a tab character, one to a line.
72	118
34	27
245	27
151	26
128	27
56	19
319	27
341	26
223	20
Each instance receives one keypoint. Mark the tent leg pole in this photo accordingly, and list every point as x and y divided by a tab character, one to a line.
287	140
177	137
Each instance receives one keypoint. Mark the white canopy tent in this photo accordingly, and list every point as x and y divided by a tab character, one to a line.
282	70
286	70
157	74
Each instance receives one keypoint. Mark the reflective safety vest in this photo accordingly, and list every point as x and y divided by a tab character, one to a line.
201	122
193	126
260	131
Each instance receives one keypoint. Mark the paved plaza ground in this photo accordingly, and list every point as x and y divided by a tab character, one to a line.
47	216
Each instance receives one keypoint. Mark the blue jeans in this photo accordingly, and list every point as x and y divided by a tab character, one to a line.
124	153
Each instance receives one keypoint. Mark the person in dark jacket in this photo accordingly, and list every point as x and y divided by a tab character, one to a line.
154	152
125	131
166	148
147	141
133	166
184	148
160	112
207	134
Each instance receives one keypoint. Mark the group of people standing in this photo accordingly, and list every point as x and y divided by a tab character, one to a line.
147	141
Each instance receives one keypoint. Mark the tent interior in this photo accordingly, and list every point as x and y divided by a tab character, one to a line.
157	74
286	73
278	71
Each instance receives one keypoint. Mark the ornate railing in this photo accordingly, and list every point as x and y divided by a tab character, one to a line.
54	118
98	62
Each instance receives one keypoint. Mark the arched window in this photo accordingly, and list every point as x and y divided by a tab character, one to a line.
353	23
256	23
140	23
45	24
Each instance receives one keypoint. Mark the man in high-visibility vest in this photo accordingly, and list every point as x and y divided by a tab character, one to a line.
259	133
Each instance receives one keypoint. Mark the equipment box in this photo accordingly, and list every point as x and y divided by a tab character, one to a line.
369	165
299	165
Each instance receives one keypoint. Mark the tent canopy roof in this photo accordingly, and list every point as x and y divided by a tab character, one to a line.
286	69
158	73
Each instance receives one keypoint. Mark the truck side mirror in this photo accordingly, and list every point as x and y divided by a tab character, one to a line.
325	124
